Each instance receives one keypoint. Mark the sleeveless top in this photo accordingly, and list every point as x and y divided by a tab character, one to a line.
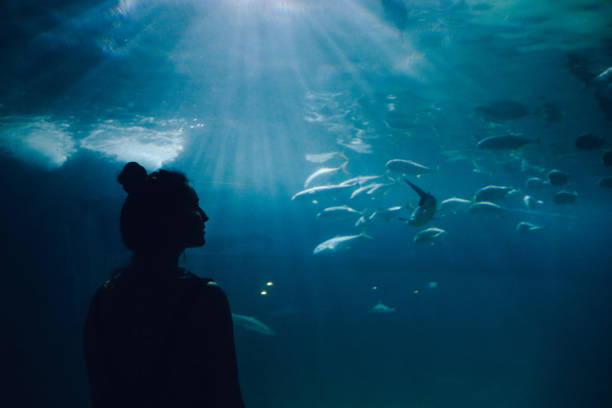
161	343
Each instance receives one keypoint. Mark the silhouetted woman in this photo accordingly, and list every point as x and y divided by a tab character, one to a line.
156	335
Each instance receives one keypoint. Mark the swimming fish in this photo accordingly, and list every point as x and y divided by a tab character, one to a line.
323	157
251	324
426	209
536	183
337	243
505	142
407	167
429	236
382	308
565	197
531	203
359	180
589	141
314	193
487	209
501	111
453	204
325	171
494	193
341	211
605	182
557	177
525	226
606	158
606	74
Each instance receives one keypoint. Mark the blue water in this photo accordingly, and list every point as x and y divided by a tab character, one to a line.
239	95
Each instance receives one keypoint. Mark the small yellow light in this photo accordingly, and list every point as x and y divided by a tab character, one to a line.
374	287
270	283
416	292
263	292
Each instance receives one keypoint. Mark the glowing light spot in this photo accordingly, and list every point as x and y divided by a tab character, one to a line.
374	287
416	292
270	283
432	284
263	292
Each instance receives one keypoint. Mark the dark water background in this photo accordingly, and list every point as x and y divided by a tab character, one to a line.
517	320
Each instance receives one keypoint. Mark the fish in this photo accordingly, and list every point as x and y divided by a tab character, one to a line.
323	157
386	214
504	142
251	324
525	226
557	177
589	141
341	211
494	193
605	75
565	197
549	112
357	145
372	190
338	242
536	183
429	236
487	209
501	111
325	171
382	308
426	209
314	193
531	203
606	158
452	205
359	180
605	182
407	167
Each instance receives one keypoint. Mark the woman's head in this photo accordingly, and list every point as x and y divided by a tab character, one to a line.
161	212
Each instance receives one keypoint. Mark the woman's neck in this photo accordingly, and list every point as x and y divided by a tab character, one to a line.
155	264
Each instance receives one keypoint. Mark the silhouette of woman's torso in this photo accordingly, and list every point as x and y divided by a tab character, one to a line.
161	342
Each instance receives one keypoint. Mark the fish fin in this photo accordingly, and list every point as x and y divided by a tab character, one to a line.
343	168
366	235
341	154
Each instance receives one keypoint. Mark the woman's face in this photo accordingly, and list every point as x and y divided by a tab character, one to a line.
190	220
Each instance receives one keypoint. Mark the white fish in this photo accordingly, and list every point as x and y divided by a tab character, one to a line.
452	205
314	193
486	208
607	73
339	242
341	211
531	203
382	308
325	171
429	236
407	167
323	157
372	190
386	214
525	226
536	183
359	180
357	145
251	324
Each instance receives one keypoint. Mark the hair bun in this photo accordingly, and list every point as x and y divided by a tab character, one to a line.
132	177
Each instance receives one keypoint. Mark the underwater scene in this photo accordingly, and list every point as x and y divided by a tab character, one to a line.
409	200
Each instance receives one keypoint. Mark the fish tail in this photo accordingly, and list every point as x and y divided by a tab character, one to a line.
343	168
366	235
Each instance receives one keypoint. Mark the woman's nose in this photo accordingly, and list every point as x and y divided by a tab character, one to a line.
203	214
